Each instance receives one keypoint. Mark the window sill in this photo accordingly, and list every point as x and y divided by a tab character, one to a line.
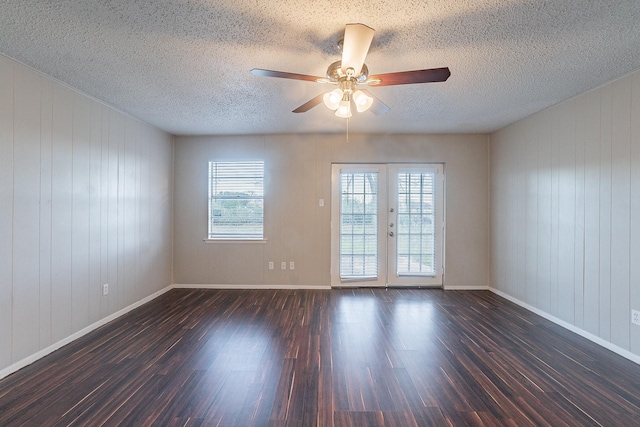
234	240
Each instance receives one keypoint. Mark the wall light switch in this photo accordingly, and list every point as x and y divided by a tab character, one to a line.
283	265
321	202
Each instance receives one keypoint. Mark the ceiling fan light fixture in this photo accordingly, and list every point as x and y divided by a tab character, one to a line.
344	110
362	100
351	71
332	99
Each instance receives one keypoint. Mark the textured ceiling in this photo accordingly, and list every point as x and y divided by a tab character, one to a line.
183	66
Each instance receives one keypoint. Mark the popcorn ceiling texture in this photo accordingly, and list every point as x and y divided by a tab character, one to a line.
183	66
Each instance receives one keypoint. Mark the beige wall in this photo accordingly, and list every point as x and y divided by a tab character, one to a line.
298	174
565	211
85	199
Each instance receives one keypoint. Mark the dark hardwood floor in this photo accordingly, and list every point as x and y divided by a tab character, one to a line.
357	357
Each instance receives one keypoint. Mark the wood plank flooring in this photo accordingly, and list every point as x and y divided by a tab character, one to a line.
345	357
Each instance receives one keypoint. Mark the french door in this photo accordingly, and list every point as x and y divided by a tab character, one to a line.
387	225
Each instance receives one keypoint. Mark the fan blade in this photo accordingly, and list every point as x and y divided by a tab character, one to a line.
409	77
355	46
309	104
378	107
284	75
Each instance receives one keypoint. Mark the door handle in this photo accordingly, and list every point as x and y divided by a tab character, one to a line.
391	233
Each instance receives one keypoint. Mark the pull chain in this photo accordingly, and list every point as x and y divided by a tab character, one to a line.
348	120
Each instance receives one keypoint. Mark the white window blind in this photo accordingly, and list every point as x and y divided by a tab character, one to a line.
416	223
358	225
236	200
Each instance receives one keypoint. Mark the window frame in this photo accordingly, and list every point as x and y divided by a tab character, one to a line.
239	236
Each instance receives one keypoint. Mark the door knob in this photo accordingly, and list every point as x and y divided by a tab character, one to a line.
391	233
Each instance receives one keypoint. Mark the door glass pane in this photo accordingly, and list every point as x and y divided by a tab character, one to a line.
358	225
416	224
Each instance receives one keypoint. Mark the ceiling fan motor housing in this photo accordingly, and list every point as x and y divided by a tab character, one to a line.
335	73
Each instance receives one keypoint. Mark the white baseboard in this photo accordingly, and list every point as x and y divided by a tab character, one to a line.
254	287
53	347
588	335
323	287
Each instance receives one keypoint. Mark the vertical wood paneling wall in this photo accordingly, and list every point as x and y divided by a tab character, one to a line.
565	211
85	199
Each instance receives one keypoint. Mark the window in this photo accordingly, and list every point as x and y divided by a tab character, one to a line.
416	237
236	200
358	224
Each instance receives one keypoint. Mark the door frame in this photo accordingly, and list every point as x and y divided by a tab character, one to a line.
380	280
431	280
385	183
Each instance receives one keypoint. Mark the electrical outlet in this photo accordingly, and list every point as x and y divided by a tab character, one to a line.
105	289
283	265
292	265
270	265
635	317
321	202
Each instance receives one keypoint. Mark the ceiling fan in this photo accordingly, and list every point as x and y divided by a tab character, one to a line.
350	72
